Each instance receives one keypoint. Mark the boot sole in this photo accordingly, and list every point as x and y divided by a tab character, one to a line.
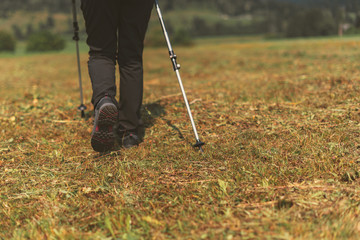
103	137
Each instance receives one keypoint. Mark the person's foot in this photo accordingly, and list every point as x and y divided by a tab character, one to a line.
102	136
130	140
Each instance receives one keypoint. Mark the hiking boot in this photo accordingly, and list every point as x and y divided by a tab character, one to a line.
130	140
102	136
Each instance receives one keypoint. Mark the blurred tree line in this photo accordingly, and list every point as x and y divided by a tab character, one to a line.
9	6
276	18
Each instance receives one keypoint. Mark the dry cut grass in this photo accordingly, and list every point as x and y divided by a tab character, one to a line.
281	124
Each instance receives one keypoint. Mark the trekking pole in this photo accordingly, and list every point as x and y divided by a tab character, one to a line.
176	67
76	38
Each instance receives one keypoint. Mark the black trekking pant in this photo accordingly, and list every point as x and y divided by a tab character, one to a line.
116	31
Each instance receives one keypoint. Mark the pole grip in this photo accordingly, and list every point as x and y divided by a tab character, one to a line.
75	22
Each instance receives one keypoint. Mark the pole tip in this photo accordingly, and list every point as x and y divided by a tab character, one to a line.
199	144
201	150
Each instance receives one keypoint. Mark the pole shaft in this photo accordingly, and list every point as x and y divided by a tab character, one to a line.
176	69
187	105
163	26
79	68
76	38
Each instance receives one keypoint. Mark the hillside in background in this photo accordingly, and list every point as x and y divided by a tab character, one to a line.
351	4
199	18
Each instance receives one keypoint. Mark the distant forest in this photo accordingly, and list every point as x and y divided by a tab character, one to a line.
275	18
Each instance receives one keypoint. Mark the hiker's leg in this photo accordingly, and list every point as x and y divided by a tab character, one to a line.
101	20
133	22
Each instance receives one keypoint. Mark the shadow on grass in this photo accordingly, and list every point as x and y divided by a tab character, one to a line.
149	113
152	111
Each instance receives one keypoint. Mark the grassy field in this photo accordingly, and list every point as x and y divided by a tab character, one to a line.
280	120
